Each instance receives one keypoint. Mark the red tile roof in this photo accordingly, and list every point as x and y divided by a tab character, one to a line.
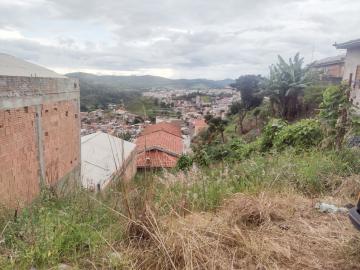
200	123
156	159
163	126
159	146
160	140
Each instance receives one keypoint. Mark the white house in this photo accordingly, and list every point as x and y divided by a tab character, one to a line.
106	158
352	67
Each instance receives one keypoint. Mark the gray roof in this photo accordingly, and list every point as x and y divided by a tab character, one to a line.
348	44
330	61
102	155
12	66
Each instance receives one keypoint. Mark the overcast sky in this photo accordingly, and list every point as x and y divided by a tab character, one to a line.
212	39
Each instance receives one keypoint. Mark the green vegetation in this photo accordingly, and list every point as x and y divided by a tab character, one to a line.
76	230
286	86
143	106
150	223
85	231
249	87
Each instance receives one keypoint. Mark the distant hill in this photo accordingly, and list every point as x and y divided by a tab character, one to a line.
146	82
98	91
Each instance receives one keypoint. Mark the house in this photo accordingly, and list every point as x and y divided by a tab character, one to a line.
159	146
199	125
39	131
331	69
167	127
352	67
104	159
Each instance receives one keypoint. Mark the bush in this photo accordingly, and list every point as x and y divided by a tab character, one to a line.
302	135
184	163
269	133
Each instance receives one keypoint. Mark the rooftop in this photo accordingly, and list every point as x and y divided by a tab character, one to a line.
330	61
163	126
160	140
102	155
200	123
348	44
12	66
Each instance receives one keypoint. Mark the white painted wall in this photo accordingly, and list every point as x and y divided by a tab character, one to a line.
351	62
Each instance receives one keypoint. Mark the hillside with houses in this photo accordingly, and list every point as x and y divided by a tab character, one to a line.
179	135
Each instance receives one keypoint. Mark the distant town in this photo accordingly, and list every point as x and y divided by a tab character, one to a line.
185	107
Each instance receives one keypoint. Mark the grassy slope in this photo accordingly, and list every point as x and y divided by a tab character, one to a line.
158	224
142	105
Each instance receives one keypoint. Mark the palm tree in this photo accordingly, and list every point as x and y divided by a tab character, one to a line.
286	86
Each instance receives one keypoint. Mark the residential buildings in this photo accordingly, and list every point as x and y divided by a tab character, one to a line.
159	146
198	126
331	69
352	67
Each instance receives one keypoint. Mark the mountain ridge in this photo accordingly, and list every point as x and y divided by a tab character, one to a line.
142	82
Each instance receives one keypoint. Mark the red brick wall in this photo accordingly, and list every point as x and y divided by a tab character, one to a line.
19	163
61	129
19	167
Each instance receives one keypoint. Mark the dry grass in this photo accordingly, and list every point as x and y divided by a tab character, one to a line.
265	231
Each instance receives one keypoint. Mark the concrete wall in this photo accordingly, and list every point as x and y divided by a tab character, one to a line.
130	169
351	62
127	173
39	136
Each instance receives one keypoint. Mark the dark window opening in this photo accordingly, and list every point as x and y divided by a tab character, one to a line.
66	113
46	133
26	109
46	111
75	85
55	109
76	116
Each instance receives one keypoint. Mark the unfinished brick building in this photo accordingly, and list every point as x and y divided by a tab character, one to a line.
39	131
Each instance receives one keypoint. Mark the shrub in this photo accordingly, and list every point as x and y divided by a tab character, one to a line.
184	163
302	135
269	133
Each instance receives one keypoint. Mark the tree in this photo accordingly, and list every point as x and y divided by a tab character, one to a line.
216	125
286	85
250	88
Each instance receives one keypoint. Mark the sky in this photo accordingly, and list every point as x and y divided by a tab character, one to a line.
214	39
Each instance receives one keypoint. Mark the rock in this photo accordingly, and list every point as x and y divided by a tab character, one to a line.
354	141
63	266
115	258
330	208
284	227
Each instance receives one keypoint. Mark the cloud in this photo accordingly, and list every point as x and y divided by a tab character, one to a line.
175	38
